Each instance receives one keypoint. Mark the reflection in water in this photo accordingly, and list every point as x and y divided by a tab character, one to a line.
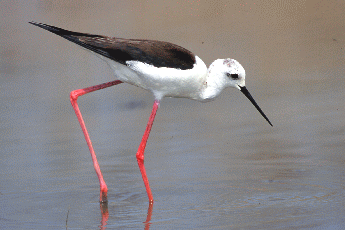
148	218
105	216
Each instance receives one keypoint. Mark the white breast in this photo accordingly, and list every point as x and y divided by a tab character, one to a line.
163	81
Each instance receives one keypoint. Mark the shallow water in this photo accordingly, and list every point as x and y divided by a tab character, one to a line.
215	165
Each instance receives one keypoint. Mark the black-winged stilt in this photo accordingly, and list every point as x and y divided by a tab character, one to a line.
166	69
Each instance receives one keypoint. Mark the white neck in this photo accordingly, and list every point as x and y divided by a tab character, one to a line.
214	84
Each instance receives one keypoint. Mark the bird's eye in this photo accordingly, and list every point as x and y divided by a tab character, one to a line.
232	75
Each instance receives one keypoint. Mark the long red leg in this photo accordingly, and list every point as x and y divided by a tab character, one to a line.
74	97
140	153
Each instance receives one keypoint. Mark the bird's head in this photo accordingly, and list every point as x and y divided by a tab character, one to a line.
230	73
233	73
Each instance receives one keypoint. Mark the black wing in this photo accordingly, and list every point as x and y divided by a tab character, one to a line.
157	53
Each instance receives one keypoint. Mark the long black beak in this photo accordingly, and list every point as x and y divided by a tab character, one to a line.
247	94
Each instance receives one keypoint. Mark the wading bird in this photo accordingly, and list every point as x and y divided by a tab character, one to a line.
165	69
